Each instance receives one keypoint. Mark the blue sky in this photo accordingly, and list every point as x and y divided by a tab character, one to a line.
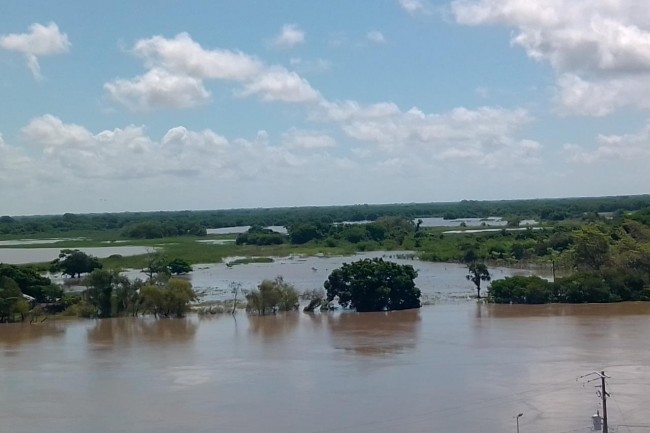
125	106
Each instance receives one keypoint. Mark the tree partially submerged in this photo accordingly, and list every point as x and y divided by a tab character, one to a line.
374	285
272	296
478	272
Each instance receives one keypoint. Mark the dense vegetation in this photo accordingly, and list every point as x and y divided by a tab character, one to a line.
610	263
159	224
374	285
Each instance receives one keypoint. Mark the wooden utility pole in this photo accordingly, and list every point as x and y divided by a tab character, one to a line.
604	396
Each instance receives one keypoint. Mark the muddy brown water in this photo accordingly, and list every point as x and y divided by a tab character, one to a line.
445	368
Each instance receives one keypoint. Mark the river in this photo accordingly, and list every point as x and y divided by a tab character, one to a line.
453	367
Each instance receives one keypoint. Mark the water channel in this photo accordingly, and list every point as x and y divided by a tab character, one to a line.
453	367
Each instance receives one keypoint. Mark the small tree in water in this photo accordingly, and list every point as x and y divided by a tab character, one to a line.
272	296
478	272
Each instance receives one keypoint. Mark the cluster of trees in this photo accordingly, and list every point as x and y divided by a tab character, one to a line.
578	288
258	235
395	229
193	222
610	263
374	285
22	291
159	229
110	294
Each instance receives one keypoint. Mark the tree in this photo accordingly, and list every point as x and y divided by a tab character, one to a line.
171	300
591	249
272	296
179	266
478	272
74	263
156	264
374	285
10	299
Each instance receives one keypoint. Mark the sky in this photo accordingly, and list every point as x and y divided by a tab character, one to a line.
141	105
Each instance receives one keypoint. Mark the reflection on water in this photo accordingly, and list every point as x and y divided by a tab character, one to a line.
462	367
374	333
15	334
553	310
274	327
128	331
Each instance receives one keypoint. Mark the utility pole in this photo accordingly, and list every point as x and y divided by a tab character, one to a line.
604	396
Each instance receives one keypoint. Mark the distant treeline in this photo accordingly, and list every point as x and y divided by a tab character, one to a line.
194	222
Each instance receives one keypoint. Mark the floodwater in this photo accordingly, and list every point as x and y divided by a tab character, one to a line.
18	256
242	229
446	368
438	281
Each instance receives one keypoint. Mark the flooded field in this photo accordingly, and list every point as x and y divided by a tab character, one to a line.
445	368
17	256
436	280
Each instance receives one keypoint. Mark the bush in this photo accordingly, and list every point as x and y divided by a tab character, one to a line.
272	296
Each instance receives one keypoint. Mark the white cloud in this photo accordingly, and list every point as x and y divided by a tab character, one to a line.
415	7
158	88
485	136
279	84
376	37
290	36
39	41
183	56
602	47
179	67
307	140
15	166
609	148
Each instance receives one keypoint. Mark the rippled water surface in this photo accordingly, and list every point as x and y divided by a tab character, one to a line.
446	368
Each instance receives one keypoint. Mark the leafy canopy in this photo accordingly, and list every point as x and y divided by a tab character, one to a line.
374	285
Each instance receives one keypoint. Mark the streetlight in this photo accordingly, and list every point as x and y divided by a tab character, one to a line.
517	419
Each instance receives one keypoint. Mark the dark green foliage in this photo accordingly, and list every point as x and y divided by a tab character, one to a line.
305	232
478	272
591	249
31	283
521	290
179	266
74	263
158	229
11	300
374	285
258	235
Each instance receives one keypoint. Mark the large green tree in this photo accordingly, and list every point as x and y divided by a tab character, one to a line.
374	285
74	263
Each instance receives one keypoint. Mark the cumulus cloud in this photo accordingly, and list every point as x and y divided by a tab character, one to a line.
485	136
415	7
41	40
181	55
290	36
158	88
14	165
307	140
599	50
609	148
279	84
376	37
179	67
